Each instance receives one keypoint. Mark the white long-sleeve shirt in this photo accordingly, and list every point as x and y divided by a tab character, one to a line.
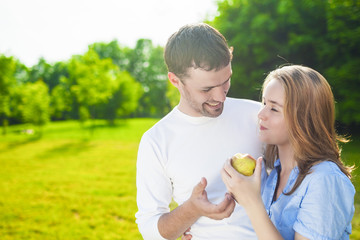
178	150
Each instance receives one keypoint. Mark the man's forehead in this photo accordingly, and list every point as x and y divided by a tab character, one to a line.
211	78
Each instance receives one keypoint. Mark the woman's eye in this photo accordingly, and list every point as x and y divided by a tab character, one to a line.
274	109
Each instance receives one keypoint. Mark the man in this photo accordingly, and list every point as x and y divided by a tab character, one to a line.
182	155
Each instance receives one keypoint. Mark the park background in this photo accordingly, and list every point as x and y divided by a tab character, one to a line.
70	129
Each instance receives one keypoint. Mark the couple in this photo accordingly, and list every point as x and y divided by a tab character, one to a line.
307	193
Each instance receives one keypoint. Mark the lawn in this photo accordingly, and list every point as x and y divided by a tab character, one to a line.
72	183
77	183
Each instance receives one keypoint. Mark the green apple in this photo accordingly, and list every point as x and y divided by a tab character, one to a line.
243	163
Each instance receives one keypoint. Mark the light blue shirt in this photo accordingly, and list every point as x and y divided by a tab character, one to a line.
321	208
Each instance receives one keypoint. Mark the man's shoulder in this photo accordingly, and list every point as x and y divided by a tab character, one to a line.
162	125
242	105
242	101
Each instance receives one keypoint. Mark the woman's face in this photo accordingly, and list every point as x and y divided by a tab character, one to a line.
273	128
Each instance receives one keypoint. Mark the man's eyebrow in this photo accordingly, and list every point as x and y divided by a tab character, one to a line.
210	87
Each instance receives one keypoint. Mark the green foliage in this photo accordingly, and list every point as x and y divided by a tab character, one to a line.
111	81
265	34
7	83
146	65
108	82
173	95
36	99
128	93
92	80
61	99
113	50
97	85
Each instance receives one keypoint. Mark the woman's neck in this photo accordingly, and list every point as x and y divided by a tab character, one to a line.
286	155
287	160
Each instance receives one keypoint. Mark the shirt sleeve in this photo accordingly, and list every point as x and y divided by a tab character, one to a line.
154	189
327	207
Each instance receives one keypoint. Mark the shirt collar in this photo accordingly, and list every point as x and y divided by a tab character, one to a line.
277	164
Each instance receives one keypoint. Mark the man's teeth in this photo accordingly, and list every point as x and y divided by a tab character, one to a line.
213	104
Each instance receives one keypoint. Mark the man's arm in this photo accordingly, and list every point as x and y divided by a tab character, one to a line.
173	224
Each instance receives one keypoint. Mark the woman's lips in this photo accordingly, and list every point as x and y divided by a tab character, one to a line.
262	127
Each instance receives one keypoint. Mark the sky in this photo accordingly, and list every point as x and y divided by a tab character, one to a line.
58	29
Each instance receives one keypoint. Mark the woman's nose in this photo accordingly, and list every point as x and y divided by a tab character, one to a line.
261	114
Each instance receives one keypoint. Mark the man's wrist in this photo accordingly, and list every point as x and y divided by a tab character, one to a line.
190	209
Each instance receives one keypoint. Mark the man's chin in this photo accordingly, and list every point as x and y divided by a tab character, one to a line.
213	112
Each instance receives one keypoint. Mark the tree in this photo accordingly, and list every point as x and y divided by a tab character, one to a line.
61	100
95	82
324	35
114	51
146	65
125	99
48	73
37	100
342	58
30	102
7	83
91	81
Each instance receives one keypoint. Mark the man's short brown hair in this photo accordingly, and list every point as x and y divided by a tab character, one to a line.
197	46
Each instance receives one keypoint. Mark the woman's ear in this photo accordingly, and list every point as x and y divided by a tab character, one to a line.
174	79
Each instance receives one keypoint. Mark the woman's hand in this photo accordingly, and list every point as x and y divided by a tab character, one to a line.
186	235
247	192
244	189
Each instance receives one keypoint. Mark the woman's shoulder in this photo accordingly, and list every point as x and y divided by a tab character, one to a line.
326	168
327	173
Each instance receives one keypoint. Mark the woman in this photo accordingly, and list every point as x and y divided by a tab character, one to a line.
308	193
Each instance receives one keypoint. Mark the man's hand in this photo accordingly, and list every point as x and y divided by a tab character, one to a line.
186	235
174	224
201	205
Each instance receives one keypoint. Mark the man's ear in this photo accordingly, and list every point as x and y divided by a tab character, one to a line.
174	79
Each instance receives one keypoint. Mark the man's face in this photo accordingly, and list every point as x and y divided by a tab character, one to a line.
203	92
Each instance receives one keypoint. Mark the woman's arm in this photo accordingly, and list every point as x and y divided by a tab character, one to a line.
300	237
246	191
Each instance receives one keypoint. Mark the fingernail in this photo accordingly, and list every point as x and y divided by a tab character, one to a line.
228	196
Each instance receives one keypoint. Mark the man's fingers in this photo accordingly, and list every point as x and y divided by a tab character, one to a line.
225	208
230	209
200	187
186	235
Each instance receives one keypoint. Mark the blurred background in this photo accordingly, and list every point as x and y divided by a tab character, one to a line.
81	81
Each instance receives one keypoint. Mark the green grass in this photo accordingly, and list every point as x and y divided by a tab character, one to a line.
74	183
351	156
70	184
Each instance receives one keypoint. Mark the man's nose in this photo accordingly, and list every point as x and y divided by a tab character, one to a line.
220	94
